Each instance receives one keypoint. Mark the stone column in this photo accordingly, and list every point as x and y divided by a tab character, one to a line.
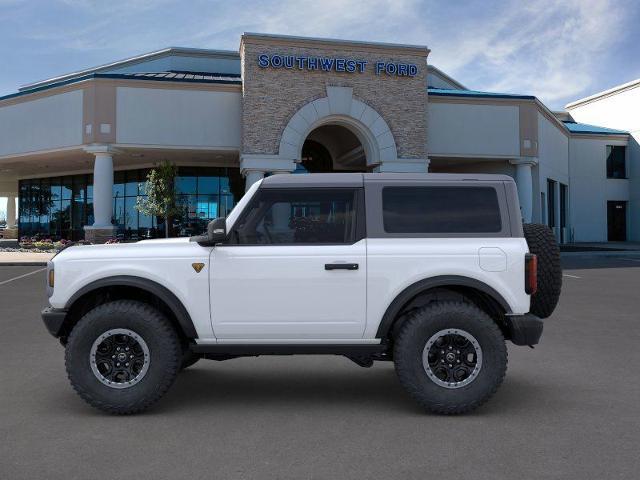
524	181
102	228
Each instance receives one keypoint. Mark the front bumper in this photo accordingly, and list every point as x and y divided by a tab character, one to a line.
524	329
53	319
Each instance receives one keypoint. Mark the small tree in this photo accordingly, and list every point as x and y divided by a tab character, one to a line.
160	190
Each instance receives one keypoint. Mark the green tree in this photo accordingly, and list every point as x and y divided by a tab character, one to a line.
160	190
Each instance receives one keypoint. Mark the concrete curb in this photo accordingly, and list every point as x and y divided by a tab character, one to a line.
23	264
603	253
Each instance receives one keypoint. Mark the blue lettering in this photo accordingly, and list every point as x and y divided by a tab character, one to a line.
379	67
413	70
351	66
301	62
276	61
327	63
340	64
263	60
403	69
391	69
361	65
312	63
288	61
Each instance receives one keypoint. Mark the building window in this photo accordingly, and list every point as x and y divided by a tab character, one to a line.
616	161
551	203
60	207
441	210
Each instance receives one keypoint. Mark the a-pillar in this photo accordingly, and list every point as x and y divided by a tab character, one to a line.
524	181
102	228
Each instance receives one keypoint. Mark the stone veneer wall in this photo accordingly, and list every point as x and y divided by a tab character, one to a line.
271	96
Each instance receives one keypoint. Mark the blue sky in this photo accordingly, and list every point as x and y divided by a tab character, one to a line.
557	50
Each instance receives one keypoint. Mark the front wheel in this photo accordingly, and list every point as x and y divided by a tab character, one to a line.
450	356
122	356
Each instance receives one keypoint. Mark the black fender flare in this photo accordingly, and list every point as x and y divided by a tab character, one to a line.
154	288
427	284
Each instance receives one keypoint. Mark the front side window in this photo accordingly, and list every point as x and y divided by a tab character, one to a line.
616	165
298	217
441	210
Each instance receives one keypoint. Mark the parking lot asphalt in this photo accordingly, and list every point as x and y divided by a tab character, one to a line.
569	409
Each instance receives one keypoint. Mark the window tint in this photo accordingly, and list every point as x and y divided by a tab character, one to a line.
441	210
312	216
616	162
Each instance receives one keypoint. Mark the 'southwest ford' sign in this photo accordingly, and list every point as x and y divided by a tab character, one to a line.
332	64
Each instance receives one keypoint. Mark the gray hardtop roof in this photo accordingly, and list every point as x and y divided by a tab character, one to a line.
358	179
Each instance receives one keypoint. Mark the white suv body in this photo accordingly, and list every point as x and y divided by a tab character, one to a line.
282	293
320	263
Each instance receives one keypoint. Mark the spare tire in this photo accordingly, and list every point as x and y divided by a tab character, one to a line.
543	244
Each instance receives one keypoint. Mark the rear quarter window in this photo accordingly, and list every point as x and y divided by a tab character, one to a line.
441	210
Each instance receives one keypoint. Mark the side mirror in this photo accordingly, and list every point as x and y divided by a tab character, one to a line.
217	230
216	233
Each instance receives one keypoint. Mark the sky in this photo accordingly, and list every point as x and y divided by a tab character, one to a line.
558	51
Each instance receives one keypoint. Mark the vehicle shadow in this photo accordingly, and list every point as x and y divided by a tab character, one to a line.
374	390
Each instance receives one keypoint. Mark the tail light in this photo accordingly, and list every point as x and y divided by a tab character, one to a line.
530	273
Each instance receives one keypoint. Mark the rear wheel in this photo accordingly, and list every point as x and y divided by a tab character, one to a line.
122	356
450	356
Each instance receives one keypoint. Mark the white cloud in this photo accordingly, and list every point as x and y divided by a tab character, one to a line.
547	48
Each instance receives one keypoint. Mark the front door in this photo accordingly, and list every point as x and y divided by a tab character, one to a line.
617	221
294	268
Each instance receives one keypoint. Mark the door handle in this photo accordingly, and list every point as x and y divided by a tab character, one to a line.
341	266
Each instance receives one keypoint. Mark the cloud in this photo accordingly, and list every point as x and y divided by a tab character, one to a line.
548	48
557	50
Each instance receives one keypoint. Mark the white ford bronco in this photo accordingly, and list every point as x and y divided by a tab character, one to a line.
431	271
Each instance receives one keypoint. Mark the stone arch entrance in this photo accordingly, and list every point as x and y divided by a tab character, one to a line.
354	135
333	148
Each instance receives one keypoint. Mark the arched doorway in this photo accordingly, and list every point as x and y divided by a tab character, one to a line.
332	148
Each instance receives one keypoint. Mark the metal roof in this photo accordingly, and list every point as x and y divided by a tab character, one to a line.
222	78
134	60
475	93
585	128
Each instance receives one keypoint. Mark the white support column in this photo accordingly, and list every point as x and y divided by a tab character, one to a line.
251	177
254	166
11	211
524	181
102	229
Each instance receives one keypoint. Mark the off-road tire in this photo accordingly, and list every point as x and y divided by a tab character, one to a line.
165	354
188	358
414	334
543	243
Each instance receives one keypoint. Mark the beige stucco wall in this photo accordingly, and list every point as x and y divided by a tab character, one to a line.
271	96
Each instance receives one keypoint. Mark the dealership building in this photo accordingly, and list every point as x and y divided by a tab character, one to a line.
75	149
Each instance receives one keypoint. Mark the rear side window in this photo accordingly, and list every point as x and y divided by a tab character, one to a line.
441	210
